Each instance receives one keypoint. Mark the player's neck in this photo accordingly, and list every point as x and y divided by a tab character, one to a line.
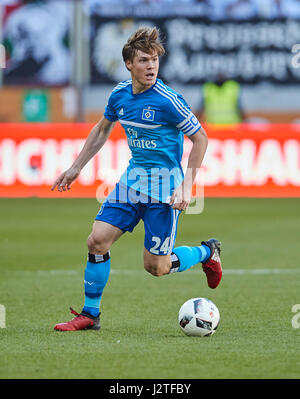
138	87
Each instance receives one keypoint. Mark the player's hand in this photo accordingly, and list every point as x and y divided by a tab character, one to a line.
181	197
64	181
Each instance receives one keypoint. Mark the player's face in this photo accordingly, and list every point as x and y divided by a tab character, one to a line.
143	69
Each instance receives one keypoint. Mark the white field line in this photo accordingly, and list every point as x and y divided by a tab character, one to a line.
71	272
261	271
226	271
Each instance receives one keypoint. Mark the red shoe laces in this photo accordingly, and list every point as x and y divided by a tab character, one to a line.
74	312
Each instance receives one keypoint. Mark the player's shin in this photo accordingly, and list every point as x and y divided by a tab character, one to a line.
185	257
95	278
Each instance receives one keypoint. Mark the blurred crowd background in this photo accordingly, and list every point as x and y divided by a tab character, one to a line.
62	58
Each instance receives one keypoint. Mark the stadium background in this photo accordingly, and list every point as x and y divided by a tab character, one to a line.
65	74
62	59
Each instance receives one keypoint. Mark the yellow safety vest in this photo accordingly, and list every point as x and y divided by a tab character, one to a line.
221	102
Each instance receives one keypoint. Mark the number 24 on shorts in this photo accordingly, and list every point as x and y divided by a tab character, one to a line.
158	247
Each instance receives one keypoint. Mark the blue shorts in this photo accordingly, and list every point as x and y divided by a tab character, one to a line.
124	208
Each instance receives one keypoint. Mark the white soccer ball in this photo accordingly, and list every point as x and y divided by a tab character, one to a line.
199	317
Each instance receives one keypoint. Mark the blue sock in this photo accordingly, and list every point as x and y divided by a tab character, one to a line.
95	278
185	257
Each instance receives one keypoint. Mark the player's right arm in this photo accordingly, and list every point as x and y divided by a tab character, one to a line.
95	141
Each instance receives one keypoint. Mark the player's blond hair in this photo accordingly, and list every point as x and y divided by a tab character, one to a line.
144	39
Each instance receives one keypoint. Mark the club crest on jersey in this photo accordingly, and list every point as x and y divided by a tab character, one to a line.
148	115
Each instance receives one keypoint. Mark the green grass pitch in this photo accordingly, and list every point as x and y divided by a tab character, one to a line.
43	253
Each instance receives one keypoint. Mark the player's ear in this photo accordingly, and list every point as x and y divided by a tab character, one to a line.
128	64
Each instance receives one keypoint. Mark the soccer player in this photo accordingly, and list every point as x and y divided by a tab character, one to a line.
153	188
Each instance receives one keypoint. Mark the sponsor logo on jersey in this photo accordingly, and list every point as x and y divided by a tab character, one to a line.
132	132
134	141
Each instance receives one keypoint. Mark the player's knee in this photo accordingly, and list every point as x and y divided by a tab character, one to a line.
153	269
156	269
98	244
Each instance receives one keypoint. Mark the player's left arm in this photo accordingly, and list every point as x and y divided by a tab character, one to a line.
181	196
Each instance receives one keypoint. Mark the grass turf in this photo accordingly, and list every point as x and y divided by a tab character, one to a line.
43	254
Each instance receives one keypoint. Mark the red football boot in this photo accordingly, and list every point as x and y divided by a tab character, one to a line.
81	321
212	267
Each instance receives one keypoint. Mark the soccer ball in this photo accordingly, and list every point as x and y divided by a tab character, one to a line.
199	317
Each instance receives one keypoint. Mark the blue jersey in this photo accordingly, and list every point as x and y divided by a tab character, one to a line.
154	122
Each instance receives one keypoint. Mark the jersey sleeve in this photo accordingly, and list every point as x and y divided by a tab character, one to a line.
110	112
180	115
